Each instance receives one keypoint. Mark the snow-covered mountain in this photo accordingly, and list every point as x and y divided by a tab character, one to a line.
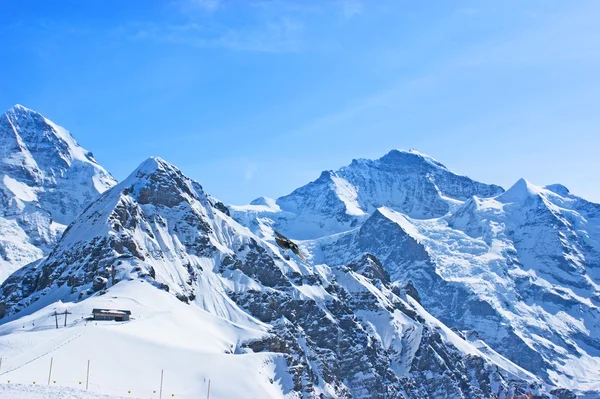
519	269
46	179
388	278
212	300
410	182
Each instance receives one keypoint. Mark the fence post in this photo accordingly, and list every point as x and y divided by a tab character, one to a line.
50	372
161	383
208	391
87	378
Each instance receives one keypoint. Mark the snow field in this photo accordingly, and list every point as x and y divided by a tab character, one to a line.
126	359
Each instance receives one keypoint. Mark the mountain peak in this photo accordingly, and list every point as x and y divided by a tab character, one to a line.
20	109
519	192
152	164
48	179
28	133
265	201
158	181
558	189
412	156
406	181
34	148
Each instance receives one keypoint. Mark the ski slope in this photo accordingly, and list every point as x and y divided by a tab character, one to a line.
126	359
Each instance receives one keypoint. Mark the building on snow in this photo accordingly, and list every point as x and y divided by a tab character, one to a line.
111	314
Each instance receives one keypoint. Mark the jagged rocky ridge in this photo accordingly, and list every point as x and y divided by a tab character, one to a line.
345	331
46	179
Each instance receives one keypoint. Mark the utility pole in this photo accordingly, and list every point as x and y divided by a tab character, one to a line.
66	313
50	372
56	318
339	348
161	383
87	378
208	391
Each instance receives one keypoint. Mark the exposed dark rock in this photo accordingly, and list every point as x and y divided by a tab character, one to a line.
411	291
286	243
370	267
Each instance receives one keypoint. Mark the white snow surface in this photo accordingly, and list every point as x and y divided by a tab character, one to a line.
188	343
35	391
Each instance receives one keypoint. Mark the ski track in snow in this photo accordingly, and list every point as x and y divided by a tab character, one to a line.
21	391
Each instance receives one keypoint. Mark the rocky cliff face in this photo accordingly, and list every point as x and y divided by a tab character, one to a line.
345	331
46	180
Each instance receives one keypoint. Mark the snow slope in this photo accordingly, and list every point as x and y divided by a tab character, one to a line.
22	391
46	179
189	344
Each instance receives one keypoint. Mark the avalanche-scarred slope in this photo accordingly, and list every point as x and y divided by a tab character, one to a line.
216	301
46	179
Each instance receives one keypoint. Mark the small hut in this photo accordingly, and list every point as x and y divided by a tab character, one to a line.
111	314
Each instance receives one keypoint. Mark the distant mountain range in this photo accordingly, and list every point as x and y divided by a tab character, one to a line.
388	278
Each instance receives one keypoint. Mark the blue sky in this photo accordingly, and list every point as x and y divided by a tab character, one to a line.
256	98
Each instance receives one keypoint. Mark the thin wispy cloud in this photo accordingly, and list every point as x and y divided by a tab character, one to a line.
565	37
205	5
249	172
526	48
273	26
282	35
351	8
